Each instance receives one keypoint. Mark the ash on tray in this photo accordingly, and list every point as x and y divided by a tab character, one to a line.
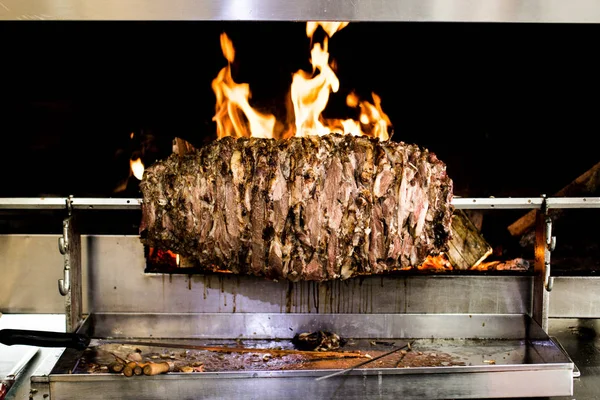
96	360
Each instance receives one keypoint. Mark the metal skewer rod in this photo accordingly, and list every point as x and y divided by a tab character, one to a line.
362	363
465	203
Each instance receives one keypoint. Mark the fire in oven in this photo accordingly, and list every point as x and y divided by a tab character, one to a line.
292	208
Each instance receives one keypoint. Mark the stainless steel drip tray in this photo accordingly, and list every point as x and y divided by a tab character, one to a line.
452	356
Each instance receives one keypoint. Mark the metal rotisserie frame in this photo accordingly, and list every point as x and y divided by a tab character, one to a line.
507	314
420	308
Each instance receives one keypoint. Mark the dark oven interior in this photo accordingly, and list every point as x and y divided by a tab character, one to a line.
508	107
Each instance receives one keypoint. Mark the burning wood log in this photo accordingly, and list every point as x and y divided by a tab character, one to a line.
306	208
467	247
182	147
517	264
587	183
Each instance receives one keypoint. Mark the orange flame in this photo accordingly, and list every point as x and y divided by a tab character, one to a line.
234	115
309	94
436	263
137	168
330	27
163	257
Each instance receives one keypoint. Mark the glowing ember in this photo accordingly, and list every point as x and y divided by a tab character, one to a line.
517	264
309	94
437	263
166	258
137	168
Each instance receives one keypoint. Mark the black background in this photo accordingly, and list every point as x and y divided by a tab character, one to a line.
511	108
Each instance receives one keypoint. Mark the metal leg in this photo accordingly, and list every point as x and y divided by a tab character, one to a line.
542	283
70	286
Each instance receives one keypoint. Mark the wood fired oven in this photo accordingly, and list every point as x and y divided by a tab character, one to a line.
498	92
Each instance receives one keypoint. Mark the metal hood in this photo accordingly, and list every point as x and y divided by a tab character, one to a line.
548	11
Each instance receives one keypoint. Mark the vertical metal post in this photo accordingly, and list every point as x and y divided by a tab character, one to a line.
71	285
542	283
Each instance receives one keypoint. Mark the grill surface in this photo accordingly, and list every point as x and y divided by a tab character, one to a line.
497	355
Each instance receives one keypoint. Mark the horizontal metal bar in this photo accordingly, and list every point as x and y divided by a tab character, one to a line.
19	203
57	203
464	203
106	203
473	203
549	11
574	202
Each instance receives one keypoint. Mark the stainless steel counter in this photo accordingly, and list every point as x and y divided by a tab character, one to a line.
579	337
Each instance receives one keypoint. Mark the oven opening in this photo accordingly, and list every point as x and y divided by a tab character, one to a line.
87	107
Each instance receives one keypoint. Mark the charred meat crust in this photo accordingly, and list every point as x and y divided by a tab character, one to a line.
310	208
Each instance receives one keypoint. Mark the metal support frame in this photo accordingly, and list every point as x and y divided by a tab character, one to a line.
69	245
543	281
58	203
463	203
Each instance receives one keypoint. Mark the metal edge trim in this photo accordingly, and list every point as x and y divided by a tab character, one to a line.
530	11
576	371
317	373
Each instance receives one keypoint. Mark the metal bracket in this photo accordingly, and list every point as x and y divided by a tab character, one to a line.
543	282
64	285
550	246
69	245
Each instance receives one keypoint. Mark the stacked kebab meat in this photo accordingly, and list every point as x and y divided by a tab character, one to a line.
314	208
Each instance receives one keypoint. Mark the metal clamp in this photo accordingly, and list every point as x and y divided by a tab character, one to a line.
550	246
64	285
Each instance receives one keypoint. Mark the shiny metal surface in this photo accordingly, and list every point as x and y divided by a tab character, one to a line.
581	339
524	203
464	203
541	292
114	281
118	263
516	384
575	297
58	203
71	285
522	351
573	202
264	10
274	325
